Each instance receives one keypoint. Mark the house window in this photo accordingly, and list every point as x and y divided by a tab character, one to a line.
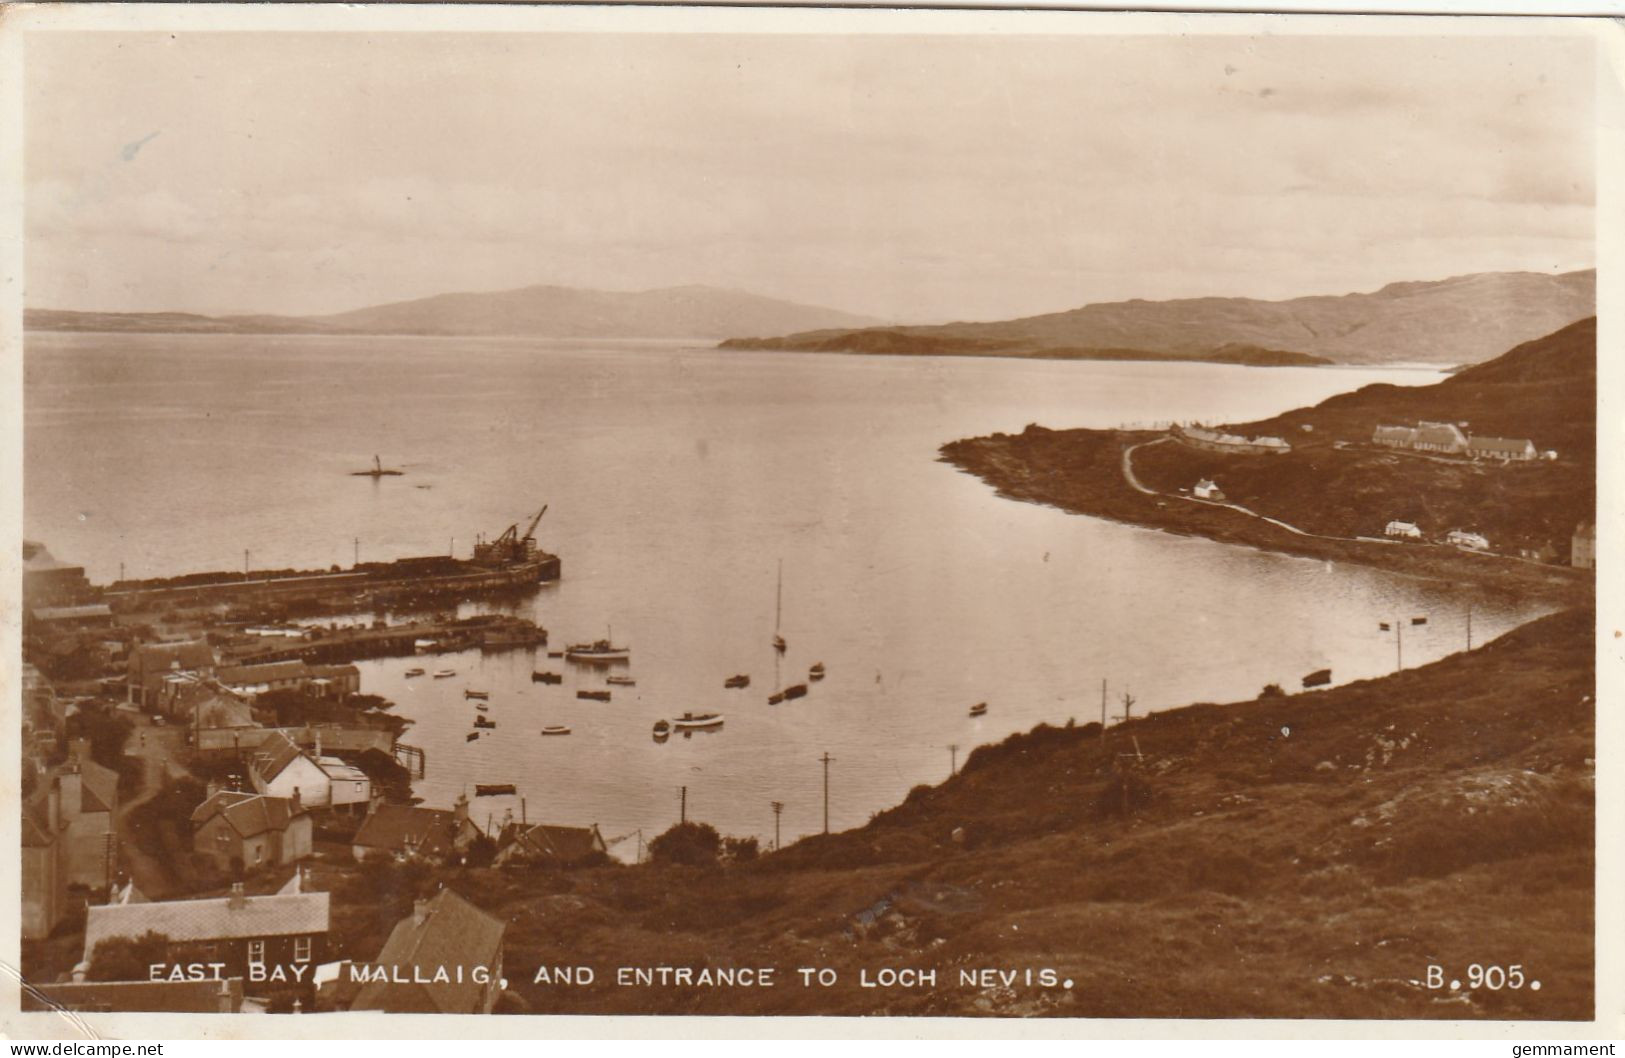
301	949
256	952
357	787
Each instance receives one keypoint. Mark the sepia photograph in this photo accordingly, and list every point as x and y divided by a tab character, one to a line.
807	513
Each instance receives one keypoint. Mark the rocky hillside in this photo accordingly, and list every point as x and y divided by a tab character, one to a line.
1454	321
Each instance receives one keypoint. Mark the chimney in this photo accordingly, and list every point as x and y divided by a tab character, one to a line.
420	911
80	971
237	900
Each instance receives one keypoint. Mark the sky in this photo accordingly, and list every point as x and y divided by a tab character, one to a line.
913	178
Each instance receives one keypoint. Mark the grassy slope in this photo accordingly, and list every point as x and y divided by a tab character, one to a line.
1305	856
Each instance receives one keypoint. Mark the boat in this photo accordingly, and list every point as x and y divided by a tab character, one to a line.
816	672
778	612
482	707
735	682
621	681
555	653
598	651
775	698
555	729
697	721
979	709
472	735
378	471
481	695
1318	678
444	674
798	690
494	789
593	696
662	730
546	677
484	722
413	672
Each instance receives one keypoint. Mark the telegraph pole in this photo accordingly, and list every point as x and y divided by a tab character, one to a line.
1128	707
827	759
1469	626
357	560
683	810
245	561
953	760
778	808
1102	708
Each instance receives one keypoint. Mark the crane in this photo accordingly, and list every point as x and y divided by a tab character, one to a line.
510	546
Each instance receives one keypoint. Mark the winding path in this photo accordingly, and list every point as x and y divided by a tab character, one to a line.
1134	482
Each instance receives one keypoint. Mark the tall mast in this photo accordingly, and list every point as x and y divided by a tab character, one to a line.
778	601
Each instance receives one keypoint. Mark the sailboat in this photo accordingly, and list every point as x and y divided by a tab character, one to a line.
778	612
378	471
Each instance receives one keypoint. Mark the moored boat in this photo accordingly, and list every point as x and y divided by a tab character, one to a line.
1318	678
979	709
775	698
555	729
482	707
555	653
480	695
444	674
597	651
816	672
735	682
484	722
794	691
413	672
472	735
697	721
546	677
621	681
494	789
662	730
593	696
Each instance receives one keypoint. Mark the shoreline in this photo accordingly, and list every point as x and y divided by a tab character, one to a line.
1080	471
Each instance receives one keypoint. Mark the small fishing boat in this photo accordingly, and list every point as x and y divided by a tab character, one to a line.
484	722
779	644
444	674
482	707
480	695
555	729
546	677
472	735
697	721
798	690
555	653
621	681
593	696
816	672
662	730
775	698
413	672
979	709
378	471
1318	678
735	682
599	650
494	789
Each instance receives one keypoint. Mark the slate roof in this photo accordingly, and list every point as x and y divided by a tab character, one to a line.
275	754
1440	433
269	672
70	613
542	841
98	787
452	933
37	830
1507	445
339	771
295	914
181	997
396	828
153	658
247	813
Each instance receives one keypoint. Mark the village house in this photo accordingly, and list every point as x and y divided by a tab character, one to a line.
1462	538
282	936
280	768
89	811
1423	437
1583	546
411	832
1407	530
542	843
1505	449
445	931
329	681
244	831
348	786
152	663
1208	490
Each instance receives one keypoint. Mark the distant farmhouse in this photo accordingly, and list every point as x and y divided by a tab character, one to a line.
1449	439
1407	530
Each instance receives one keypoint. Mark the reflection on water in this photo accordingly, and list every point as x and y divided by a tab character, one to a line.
677	479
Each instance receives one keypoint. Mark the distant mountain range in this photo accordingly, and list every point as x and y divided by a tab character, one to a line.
538	311
1462	320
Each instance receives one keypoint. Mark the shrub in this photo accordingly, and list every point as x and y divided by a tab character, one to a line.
127	958
687	843
739	850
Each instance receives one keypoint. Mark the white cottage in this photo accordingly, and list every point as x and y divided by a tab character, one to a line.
280	768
